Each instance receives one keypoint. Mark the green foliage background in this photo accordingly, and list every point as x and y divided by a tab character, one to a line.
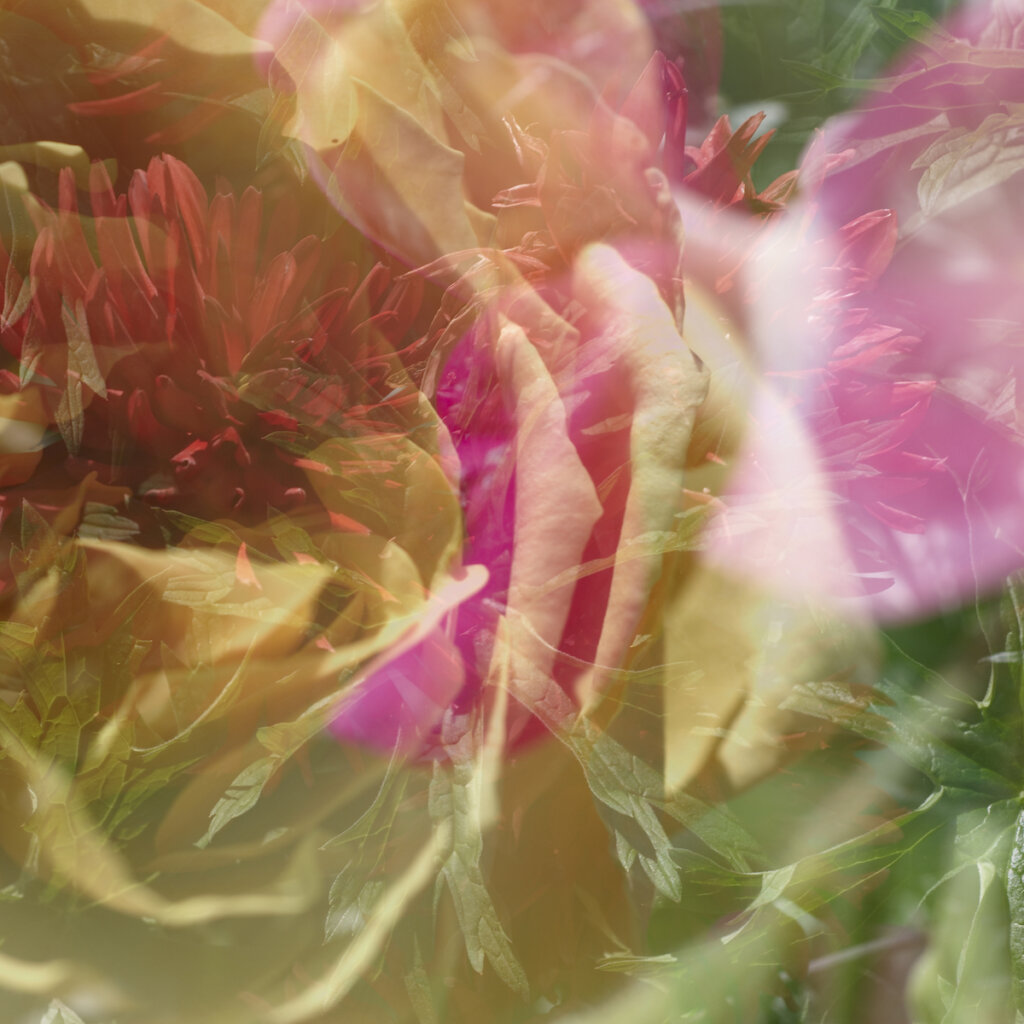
811	59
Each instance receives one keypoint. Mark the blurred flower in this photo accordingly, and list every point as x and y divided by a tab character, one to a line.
689	33
884	470
939	143
258	481
184	361
169	336
608	40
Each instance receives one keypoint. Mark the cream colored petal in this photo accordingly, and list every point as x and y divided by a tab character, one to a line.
556	503
667	386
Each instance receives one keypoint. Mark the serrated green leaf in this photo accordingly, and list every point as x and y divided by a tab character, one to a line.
914	727
69	415
838	704
17	636
241	796
905	25
421	994
851	39
377	819
17	296
22	721
202	530
282	740
966	973
74	851
455	798
350	903
356	957
633	788
81	356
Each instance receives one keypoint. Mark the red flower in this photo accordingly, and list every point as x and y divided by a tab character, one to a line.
172	340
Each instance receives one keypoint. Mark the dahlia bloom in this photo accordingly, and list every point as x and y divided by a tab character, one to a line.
170	348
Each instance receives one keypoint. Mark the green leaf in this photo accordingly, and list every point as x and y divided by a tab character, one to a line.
916	728
962	163
1015	898
104	522
241	796
81	356
420	991
825	79
799	888
631	787
17	639
905	25
852	39
627	809
966	973
60	1013
283	740
455	797
635	965
350	902
202	530
838	704
69	415
356	957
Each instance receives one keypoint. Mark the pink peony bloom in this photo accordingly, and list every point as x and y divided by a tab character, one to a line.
885	458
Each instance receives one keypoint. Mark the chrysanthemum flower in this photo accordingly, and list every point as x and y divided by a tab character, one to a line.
169	336
213	448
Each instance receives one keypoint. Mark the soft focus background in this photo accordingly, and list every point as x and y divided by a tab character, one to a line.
485	539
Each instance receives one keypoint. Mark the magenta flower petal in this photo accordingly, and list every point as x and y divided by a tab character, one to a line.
402	703
400	700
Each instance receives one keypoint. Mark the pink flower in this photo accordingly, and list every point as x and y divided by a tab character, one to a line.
892	345
570	398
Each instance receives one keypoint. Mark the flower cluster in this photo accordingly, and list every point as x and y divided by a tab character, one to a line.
390	392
